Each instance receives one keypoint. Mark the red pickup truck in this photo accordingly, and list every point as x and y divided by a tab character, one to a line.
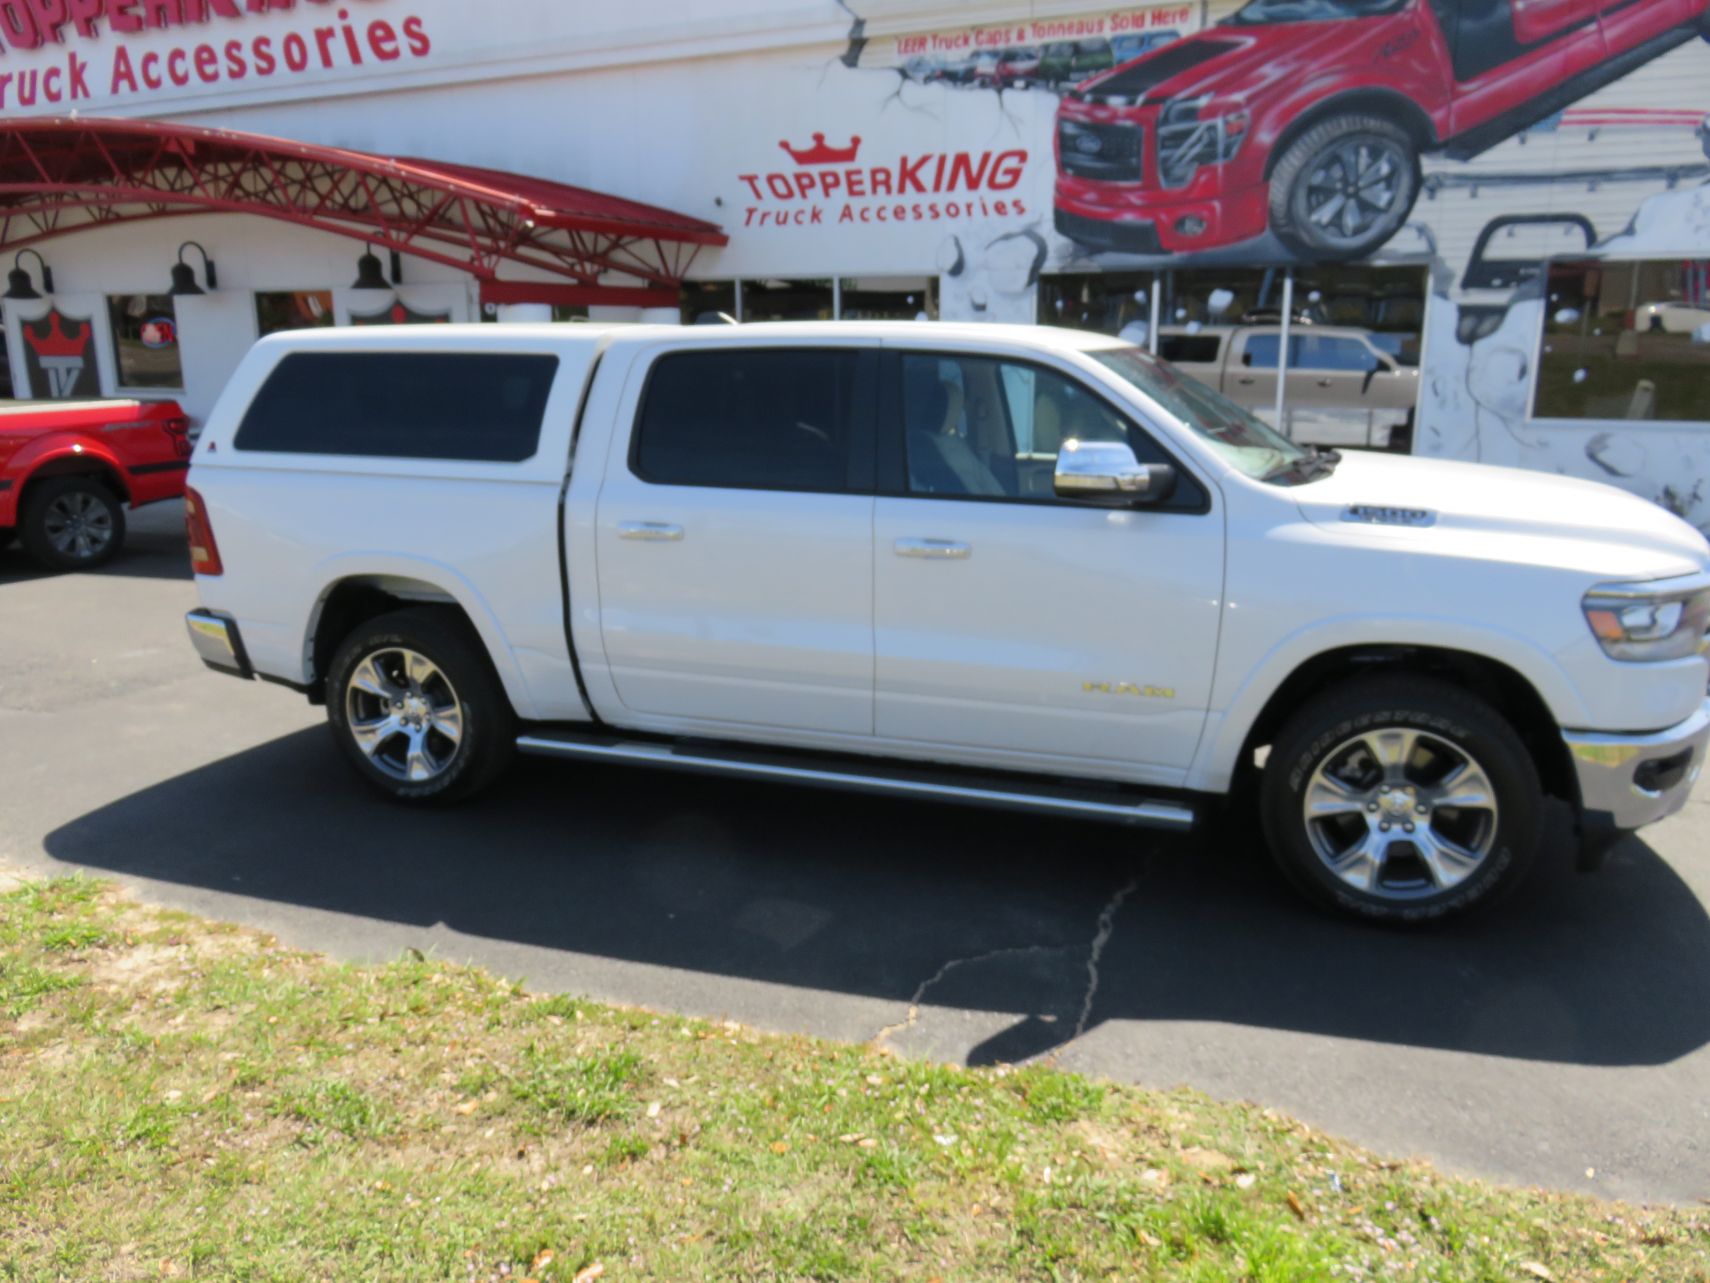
1308	117
68	468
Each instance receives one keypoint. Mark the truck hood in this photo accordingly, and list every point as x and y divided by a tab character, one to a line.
1506	513
1221	59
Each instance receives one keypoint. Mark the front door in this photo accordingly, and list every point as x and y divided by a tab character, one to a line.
735	543
1024	630
1509	52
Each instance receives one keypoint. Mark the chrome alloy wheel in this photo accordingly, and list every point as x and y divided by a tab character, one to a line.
403	714
1353	187
78	525
1400	813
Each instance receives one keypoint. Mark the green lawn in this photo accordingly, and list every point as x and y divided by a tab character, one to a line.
182	1099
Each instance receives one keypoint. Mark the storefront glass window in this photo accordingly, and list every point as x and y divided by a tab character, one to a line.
1626	341
888	298
704	301
145	340
786	300
1352	377
303	310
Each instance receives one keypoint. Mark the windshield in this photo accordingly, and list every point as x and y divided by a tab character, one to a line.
1242	439
1260	12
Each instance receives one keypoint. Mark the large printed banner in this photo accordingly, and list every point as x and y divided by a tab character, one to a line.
120	52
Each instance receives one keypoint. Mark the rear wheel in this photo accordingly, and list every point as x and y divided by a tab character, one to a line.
72	523
415	705
1344	187
1401	799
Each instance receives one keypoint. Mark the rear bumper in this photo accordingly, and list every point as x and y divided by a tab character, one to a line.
1628	781
218	642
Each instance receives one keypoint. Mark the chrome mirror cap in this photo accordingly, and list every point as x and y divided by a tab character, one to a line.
1108	470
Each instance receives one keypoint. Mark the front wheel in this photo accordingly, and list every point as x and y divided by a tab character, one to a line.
1344	187
414	703
1401	799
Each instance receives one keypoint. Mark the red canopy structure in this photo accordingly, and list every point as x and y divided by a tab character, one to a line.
61	175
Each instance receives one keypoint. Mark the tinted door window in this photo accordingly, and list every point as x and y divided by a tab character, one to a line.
980	428
1329	352
756	419
1196	349
475	406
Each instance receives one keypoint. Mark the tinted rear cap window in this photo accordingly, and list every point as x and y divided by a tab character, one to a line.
470	406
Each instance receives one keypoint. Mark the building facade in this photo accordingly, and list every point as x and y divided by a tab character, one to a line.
1468	228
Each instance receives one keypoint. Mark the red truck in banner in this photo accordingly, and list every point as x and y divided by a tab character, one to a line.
68	468
1307	118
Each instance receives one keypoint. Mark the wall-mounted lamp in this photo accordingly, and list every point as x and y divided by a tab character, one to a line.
18	284
184	276
370	274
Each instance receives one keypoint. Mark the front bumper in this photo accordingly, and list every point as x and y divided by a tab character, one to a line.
217	641
1628	781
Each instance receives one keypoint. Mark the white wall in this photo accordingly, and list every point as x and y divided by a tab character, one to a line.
214	331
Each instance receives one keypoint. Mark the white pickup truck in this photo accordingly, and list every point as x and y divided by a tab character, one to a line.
1016	567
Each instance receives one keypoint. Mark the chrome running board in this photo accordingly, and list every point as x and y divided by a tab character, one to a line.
888	778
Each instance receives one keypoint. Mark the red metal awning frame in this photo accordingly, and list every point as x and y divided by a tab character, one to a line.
60	175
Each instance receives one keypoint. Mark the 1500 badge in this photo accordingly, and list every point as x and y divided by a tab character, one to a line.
1128	688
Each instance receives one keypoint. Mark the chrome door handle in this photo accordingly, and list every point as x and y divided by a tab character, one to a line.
1245	380
652	531
1326	383
936	549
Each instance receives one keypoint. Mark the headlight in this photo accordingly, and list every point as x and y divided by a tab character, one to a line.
1647	622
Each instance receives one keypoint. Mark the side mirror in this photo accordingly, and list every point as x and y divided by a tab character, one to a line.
1379	366
1108	470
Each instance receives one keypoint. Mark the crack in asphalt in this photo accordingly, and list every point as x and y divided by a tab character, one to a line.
1102	933
913	1016
1106	925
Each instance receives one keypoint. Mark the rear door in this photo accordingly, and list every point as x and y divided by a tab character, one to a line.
734	540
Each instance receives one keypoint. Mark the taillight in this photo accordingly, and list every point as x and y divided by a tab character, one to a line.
178	429
204	552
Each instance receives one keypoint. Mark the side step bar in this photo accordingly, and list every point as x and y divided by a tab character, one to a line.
887	778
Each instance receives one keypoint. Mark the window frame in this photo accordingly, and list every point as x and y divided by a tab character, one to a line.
860	461
143	391
892	473
460	464
1541	336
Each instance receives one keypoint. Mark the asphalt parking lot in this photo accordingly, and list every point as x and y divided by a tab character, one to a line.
1561	1041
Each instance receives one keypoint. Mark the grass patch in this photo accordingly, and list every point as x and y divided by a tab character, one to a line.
184	1100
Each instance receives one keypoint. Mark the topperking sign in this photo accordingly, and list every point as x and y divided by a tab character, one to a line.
212	46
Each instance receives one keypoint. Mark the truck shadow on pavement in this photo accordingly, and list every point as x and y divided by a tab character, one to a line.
911	902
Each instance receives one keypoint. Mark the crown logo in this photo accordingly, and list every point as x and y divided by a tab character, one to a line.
56	342
820	154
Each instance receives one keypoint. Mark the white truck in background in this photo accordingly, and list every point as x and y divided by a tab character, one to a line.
1009	566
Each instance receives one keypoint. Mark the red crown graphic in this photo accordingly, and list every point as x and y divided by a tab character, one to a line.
820	154
56	342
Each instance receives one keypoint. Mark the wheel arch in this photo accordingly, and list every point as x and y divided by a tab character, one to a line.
352	599
1377	101
1505	688
74	463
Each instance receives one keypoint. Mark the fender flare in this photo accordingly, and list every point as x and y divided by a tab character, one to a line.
1227	730
437	576
60	446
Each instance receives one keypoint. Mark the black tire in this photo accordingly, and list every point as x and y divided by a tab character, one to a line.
72	523
1292	202
485	722
1451	726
